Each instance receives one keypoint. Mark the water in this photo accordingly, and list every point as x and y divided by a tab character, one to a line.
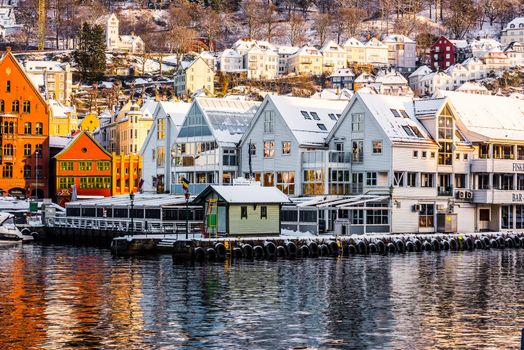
82	298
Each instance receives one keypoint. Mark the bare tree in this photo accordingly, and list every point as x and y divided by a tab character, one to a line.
321	26
180	40
351	17
461	17
270	20
211	26
27	16
297	30
251	13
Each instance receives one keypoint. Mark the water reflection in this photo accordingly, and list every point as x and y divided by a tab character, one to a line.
82	298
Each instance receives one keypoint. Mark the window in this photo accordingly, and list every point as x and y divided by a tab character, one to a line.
85	166
27	107
371	178
102	165
306	115
415	154
269	149
457	156
460	180
322	127
445	127
424	154
412	180
445	154
465	156
286	147
7	171
426	215
253	149
432	155
286	182
2	106
357	151
332	116
377	146
27	149
161	156
404	114
161	129
398	179
229	157
377	216
8	150
427	180
396	114
243	212
27	128
95	182
66	166
65	182
39	129
357	122
15	106
39	150
313	182
339	183
269	122
315	115
27	172
408	130
263	212
8	86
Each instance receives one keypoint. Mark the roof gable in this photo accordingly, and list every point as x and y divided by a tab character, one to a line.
83	146
244	195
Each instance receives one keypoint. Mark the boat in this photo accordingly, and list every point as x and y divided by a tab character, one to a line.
8	230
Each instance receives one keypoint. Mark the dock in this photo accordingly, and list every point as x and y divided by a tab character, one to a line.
210	249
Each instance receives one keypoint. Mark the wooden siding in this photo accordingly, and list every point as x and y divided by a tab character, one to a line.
254	225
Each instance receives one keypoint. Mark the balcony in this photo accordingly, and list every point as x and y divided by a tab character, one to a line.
494	196
490	165
339	157
446	191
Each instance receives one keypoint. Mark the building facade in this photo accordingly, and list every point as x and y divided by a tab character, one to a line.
402	52
24	120
54	79
194	76
126	173
442	53
514	32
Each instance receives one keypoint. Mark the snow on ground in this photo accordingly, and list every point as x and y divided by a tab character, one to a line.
298	234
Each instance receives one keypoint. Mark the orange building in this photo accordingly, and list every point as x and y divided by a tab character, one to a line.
127	173
24	137
85	164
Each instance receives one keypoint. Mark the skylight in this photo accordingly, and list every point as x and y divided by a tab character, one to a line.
332	116
404	114
395	113
306	115
322	127
314	115
408	130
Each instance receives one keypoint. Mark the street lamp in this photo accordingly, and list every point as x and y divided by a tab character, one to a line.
132	198
37	153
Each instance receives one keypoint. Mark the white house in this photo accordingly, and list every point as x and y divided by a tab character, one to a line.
333	55
402	52
514	31
415	77
432	82
481	47
283	58
355	51
473	88
230	61
156	150
284	144
116	42
515	53
376	53
205	149
261	63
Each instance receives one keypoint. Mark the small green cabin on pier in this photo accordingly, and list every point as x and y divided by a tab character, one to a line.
242	210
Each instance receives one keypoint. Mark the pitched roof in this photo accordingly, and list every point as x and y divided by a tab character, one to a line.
331	46
353	42
78	136
489	116
397	38
245	194
517	23
422	70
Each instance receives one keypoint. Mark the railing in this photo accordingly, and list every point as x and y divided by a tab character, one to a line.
339	157
445	191
357	157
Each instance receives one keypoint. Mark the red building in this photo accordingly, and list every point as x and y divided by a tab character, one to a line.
24	133
85	164
442	53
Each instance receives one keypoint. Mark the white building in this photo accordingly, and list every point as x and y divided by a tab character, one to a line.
473	88
205	148
415	77
274	148
376	53
307	60
194	77
432	82
515	53
156	150
481	47
402	52
54	79
333	55
514	31
355	51
230	61
261	63
283	58
116	42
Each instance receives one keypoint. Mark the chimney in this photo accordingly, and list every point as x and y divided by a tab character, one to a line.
8	49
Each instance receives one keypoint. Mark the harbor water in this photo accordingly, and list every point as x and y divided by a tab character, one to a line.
63	297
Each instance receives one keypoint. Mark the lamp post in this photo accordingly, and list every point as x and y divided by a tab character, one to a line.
37	153
132	198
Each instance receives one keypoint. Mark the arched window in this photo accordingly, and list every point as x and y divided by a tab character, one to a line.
2	106
6	128
15	106
7	171
8	149
27	107
27	149
521	25
27	128
39	129
512	26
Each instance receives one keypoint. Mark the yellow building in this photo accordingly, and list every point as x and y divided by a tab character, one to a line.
54	78
307	60
90	123
62	119
126	173
194	76
129	130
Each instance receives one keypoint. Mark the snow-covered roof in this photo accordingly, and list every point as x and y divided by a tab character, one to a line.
230	53
391	78
308	131
365	78
488	116
429	106
286	50
307	50
58	109
516	23
397	38
342	72
40	66
396	117
175	110
229	119
245	194
331	46
460	44
455	67
471	61
333	94
148	107
374	42
421	71
472	86
439	74
59	141
353	42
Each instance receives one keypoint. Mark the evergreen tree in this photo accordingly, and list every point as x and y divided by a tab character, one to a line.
91	56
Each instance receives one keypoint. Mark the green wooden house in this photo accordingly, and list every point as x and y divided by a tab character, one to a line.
242	210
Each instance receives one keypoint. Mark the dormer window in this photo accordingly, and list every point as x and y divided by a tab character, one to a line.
306	115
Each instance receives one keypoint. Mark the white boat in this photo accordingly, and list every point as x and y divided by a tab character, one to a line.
8	230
